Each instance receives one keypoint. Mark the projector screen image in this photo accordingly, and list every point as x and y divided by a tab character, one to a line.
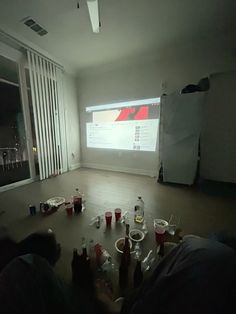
131	125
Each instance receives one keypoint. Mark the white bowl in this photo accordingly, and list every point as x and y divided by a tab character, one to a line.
132	234
121	240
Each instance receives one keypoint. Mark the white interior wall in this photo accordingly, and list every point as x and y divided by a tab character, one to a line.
122	84
72	121
139	80
218	139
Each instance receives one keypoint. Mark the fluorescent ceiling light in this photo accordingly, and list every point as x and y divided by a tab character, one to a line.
94	14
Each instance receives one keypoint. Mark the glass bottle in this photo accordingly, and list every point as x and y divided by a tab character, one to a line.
139	210
138	274
126	249
124	263
84	249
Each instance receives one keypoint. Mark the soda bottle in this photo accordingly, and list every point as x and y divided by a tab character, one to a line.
139	210
77	200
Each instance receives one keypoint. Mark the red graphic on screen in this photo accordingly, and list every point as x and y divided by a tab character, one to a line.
140	113
125	114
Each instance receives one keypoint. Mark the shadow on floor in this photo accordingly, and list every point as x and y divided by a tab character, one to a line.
216	188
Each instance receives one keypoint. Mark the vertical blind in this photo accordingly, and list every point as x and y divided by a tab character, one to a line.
46	82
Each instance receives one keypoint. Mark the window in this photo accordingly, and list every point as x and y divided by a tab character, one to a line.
14	163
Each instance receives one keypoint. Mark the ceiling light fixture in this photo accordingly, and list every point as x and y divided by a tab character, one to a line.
93	9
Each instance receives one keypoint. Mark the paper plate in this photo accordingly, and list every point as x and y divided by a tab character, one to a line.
56	201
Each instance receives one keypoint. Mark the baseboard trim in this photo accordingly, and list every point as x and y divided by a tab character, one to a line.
119	169
74	166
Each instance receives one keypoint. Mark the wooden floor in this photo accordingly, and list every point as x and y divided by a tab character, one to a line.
105	190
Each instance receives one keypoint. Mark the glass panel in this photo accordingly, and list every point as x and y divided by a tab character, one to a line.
14	163
32	122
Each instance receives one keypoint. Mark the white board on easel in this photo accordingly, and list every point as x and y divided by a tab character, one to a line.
181	119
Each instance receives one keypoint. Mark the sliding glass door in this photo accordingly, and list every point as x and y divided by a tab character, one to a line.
14	161
32	118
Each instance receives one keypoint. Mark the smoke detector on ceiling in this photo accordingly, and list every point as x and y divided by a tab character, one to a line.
31	23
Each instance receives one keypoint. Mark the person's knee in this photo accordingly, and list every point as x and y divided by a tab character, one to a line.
8	250
42	244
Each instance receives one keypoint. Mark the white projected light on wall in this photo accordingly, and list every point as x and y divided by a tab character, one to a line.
131	125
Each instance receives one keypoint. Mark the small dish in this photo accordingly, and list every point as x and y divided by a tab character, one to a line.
136	235
119	244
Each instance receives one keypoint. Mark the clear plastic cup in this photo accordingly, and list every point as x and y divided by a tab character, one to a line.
160	227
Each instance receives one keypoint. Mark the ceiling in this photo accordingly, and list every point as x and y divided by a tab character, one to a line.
130	28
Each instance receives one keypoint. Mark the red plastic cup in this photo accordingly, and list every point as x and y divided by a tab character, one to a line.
160	237
117	214
160	228
108	216
69	210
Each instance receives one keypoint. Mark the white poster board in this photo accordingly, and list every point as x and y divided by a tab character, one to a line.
181	118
